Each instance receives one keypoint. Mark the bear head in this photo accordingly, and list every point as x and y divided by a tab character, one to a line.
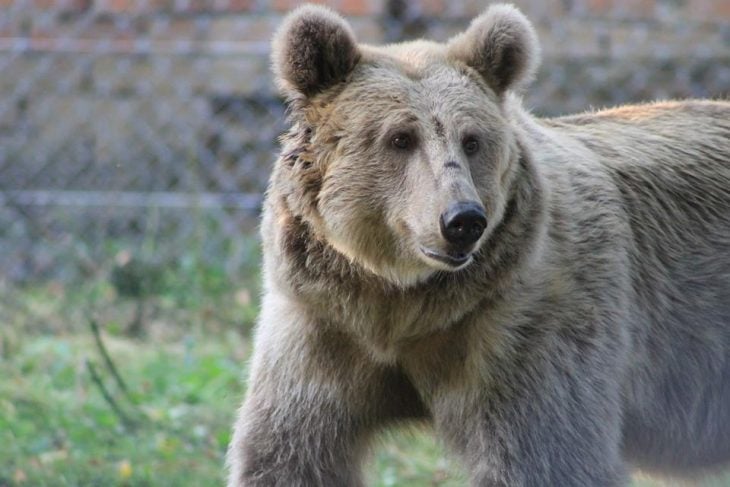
400	157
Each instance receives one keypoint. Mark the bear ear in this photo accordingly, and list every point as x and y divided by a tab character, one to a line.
501	45
313	49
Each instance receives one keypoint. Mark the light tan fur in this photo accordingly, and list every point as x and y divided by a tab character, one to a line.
585	333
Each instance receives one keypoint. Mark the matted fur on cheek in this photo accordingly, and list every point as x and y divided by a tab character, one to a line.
301	183
309	148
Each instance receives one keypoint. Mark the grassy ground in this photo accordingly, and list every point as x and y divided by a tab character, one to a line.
168	424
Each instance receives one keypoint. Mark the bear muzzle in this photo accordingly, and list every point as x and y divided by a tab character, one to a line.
462	224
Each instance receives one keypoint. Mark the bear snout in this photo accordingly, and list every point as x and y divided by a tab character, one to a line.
463	223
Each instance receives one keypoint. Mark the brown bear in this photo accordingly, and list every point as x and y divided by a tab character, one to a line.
552	296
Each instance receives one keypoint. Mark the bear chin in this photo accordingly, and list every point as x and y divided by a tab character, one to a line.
408	274
447	261
430	263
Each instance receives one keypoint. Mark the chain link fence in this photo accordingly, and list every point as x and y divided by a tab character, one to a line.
144	131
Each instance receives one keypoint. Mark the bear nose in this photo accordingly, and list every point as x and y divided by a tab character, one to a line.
463	223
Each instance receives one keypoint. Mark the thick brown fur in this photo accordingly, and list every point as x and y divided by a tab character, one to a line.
587	335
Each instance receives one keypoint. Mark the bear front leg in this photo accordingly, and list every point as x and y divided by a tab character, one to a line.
305	439
313	399
297	427
560	430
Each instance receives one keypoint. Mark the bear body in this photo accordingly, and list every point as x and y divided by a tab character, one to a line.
553	296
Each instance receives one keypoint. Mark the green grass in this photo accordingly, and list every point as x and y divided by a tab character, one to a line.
183	374
184	381
56	428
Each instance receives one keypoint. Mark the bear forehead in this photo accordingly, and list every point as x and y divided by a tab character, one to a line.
413	56
388	82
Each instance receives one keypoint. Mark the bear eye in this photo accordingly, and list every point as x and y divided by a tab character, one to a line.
402	141
470	145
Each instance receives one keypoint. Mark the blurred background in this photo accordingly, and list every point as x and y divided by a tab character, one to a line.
136	139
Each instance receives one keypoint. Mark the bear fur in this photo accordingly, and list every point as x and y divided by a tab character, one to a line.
585	334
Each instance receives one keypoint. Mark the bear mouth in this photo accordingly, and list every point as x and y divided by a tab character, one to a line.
454	260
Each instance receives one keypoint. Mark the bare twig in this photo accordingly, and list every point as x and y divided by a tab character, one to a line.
108	360
96	378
